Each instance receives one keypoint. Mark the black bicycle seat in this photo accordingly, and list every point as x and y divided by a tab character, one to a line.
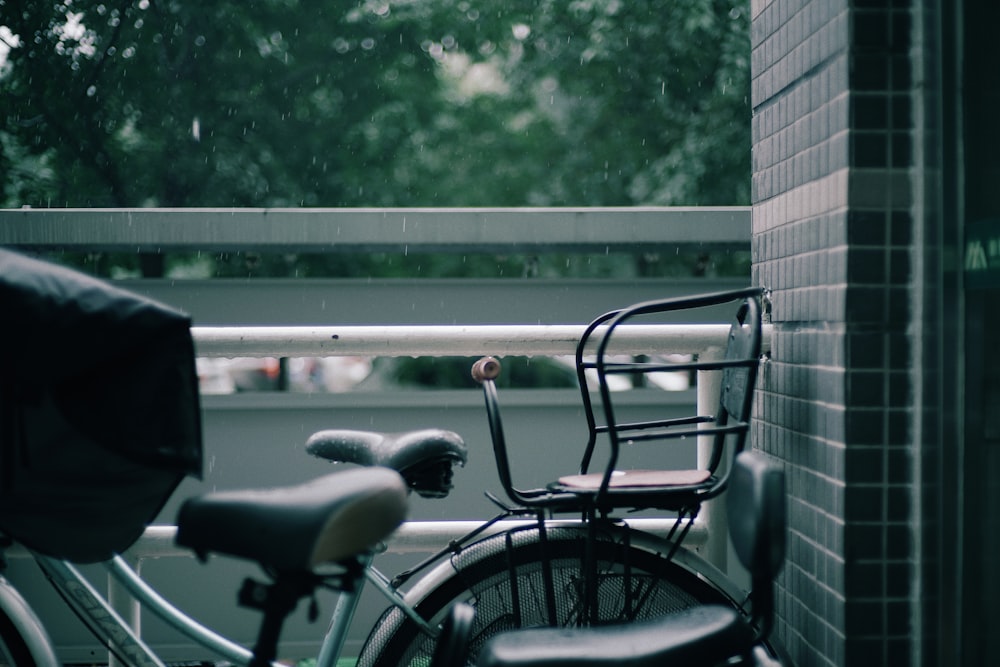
295	528
424	458
704	635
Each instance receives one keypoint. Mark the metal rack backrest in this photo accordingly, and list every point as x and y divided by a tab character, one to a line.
738	366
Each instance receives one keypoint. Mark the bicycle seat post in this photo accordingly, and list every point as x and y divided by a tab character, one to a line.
277	601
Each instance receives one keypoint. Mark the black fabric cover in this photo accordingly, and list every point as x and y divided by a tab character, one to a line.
99	410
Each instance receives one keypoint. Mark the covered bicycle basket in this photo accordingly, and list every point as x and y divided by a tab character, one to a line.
99	410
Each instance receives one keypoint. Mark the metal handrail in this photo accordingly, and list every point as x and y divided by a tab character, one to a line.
327	230
450	340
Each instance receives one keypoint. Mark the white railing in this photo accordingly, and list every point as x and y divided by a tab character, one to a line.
451	340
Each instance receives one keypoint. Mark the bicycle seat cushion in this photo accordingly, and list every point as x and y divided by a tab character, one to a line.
296	528
704	635
424	457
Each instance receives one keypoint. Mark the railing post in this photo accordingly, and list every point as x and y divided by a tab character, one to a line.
125	606
713	514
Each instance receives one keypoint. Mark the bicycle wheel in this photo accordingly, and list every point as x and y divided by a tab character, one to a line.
505	578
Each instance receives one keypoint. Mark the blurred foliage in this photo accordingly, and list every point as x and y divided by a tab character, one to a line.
280	103
376	103
721	263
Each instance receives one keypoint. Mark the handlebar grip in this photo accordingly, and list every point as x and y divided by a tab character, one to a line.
486	368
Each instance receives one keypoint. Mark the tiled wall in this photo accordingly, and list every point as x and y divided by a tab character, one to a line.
831	190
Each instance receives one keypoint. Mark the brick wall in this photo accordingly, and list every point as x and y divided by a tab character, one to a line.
832	233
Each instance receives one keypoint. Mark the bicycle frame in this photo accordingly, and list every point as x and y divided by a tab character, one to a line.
116	634
150	599
96	613
333	642
105	623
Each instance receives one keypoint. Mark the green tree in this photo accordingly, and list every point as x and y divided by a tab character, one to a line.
419	103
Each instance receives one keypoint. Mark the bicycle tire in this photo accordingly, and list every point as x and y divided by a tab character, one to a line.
483	572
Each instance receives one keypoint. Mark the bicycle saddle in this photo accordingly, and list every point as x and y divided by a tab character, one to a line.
704	635
424	458
295	528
